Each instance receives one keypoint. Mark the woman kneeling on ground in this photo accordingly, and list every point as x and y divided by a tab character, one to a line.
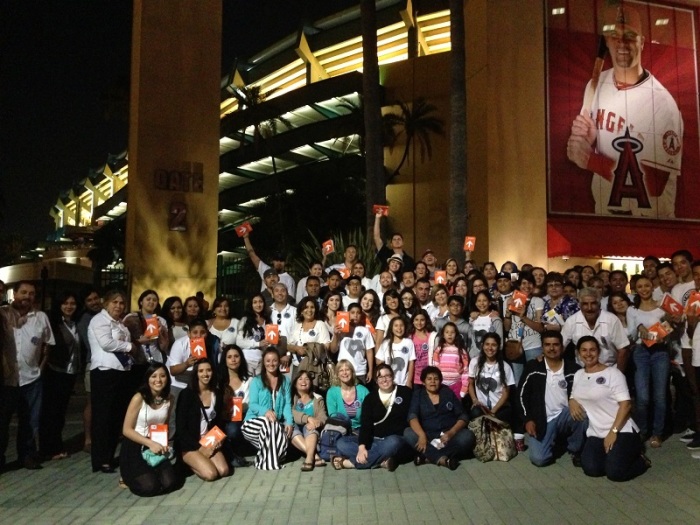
151	405
268	422
198	409
438	423
613	447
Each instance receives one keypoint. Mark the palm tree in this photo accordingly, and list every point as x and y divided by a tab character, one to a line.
374	152
252	98
417	123
458	131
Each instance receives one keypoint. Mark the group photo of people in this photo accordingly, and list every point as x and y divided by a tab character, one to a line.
428	362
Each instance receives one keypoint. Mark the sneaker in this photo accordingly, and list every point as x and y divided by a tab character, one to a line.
695	455
688	436
694	444
520	445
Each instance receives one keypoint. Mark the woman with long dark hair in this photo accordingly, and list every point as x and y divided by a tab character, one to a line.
269	422
174	315
198	410
490	379
223	327
251	333
151	405
59	375
234	385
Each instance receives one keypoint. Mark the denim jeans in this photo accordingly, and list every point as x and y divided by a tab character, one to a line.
622	463
650	381
462	443
381	449
26	401
542	452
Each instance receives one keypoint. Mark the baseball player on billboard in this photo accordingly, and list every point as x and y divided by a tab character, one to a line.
631	135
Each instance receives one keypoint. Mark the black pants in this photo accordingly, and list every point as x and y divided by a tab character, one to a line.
58	388
110	397
142	479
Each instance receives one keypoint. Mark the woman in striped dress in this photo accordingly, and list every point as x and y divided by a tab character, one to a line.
268	422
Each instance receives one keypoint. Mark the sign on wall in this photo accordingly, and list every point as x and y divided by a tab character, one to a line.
622	85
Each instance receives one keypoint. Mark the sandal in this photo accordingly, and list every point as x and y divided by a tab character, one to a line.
60	455
307	467
122	485
655	442
337	462
319	462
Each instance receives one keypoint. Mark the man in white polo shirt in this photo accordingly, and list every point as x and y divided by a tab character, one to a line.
22	390
604	326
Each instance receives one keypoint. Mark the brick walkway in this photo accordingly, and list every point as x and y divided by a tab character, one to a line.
66	492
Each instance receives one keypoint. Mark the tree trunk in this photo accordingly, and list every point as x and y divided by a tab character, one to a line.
374	152
458	132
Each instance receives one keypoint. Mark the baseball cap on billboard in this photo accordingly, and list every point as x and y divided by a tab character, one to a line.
623	19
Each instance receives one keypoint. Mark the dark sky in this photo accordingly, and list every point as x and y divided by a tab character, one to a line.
64	78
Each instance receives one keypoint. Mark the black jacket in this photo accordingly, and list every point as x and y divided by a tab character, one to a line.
533	383
373	411
189	416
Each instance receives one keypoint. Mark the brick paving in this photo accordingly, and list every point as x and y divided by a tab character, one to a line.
66	492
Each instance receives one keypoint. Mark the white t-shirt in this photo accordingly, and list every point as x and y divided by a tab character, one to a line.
556	396
402	353
599	394
179	353
519	330
489	387
228	334
647	318
354	349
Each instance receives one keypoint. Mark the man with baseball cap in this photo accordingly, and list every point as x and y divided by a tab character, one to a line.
631	135
278	263
395	245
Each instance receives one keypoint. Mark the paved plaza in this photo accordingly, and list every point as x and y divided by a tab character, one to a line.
66	492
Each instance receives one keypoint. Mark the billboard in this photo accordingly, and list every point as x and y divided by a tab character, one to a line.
622	110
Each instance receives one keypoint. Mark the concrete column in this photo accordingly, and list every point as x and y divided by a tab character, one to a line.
174	147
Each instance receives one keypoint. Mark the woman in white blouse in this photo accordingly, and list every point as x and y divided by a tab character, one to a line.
308	328
111	358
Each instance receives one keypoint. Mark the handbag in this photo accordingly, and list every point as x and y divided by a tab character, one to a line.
151	457
336	427
494	439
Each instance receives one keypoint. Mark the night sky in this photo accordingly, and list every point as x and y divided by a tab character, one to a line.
64	81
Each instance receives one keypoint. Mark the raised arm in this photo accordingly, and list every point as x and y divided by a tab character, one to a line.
251	251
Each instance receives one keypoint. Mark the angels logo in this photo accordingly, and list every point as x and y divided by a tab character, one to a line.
404	350
312	333
230	329
628	182
449	405
562	383
257	337
600	380
398	400
671	142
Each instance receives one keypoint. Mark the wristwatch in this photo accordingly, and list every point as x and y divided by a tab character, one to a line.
614	430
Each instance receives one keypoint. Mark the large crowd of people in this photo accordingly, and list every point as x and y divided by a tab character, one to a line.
582	362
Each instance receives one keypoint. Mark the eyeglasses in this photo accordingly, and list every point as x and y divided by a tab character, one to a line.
385	376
